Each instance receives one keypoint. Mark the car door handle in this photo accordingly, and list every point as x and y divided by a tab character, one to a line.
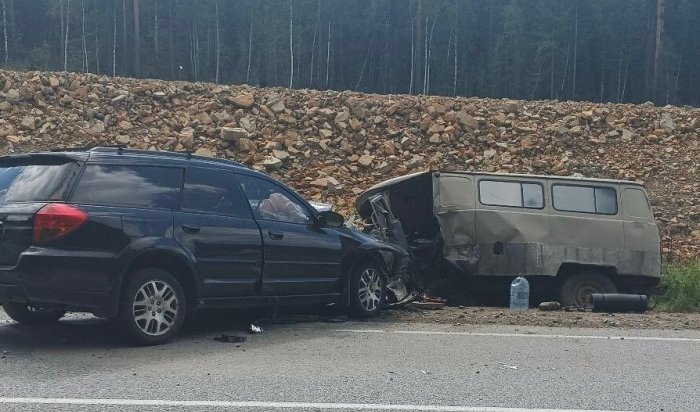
275	235
190	229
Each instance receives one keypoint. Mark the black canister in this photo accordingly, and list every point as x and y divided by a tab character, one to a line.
619	302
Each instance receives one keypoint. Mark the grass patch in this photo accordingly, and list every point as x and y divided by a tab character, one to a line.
679	290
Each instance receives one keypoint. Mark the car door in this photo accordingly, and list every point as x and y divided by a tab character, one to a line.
301	258
216	226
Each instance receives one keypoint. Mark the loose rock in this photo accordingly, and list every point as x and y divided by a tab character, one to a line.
345	141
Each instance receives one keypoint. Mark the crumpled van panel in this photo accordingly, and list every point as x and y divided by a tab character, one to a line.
512	241
455	211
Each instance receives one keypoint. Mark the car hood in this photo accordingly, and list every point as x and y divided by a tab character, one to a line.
361	239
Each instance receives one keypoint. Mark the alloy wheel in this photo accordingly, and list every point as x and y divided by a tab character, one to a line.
370	290
155	307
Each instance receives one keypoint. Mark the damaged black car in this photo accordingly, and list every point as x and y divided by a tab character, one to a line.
146	238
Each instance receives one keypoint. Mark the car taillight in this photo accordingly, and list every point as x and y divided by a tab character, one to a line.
55	221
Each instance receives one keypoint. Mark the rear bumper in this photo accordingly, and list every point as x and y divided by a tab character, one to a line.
83	280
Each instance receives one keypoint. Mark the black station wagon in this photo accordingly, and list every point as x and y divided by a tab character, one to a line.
148	237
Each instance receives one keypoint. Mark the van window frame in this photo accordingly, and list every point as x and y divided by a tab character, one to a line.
595	202
522	194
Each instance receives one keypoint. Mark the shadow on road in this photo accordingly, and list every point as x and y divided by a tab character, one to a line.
84	331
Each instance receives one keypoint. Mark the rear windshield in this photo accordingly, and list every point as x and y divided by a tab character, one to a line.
36	182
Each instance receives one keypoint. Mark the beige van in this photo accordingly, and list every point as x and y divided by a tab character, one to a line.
578	235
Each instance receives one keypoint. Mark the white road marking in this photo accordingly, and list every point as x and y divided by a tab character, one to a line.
521	335
277	405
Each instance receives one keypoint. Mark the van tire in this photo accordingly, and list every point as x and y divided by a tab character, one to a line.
367	290
32	315
156	288
577	288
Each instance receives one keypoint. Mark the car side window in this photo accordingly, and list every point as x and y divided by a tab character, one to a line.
213	191
270	201
129	186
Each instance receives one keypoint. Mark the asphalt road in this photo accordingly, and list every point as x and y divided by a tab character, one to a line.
81	364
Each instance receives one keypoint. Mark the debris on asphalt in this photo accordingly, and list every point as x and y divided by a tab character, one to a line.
230	338
549	306
506	366
574	308
254	329
427	305
428	302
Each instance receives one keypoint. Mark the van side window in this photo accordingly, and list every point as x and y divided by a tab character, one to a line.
584	199
512	194
130	186
635	203
533	196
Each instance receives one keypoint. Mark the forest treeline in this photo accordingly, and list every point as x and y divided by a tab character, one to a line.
597	50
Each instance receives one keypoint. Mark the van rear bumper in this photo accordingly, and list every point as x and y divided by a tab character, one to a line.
78	280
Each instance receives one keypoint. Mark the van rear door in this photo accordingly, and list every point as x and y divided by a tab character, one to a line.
641	233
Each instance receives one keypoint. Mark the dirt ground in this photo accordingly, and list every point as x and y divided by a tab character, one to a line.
502	316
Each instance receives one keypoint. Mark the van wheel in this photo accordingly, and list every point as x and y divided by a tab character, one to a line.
367	290
576	290
152	307
37	315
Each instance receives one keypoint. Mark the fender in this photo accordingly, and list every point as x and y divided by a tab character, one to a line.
145	246
372	251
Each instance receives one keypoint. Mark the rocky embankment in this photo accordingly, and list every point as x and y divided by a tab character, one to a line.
332	145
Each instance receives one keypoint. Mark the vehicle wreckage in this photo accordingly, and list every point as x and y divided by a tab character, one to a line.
572	236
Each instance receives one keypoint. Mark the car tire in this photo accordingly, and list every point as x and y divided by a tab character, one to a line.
367	290
35	315
152	307
576	289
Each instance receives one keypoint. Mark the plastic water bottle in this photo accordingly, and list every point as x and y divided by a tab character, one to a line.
519	294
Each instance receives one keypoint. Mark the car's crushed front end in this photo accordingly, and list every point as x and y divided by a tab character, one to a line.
412	275
394	261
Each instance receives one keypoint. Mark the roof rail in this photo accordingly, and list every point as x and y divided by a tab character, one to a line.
85	148
120	149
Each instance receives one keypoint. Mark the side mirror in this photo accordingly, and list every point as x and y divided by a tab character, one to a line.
330	219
